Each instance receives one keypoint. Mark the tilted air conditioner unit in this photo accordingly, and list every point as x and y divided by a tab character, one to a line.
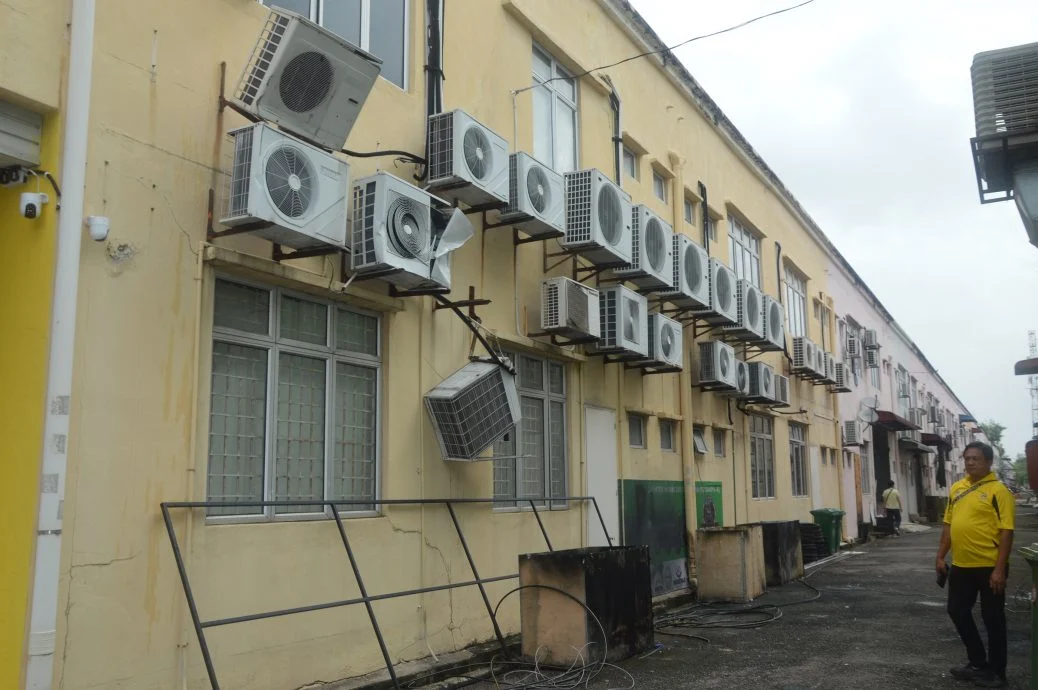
749	323
297	190
844	378
717	366
666	344
392	235
598	219
872	359
570	309
871	340
468	161
691	277
774	325
652	241
724	309
623	314
472	409
852	433
762	383
536	198
829	367
306	79
805	354
742	381
781	390
853	345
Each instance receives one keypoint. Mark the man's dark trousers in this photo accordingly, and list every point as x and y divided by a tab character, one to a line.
895	517
963	586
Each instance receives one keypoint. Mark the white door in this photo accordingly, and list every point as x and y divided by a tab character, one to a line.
602	477
816	478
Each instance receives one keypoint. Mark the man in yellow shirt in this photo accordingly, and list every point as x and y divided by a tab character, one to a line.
892	502
978	529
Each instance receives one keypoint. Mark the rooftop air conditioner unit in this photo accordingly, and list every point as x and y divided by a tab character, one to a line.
691	277
829	367
295	192
749	323
625	326
666	344
853	345
852	433
805	355
872	359
598	219
569	309
717	366
781	390
1005	90
762	383
871	340
467	160
536	198
306	79
724	309
742	381
774	325
652	241
472	409
843	378
392	235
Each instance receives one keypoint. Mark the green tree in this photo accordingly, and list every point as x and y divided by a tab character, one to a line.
1020	470
1002	466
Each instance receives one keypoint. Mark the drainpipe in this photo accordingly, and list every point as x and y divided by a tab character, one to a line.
614	104
706	219
45	592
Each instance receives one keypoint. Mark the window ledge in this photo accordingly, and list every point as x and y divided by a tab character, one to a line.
654	413
536	346
293	277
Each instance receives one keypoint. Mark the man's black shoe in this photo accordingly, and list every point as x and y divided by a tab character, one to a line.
990	679
968	672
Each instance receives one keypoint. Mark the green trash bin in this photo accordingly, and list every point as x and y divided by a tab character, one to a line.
1030	553
830	520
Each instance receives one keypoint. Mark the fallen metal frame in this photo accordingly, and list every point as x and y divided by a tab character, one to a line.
332	511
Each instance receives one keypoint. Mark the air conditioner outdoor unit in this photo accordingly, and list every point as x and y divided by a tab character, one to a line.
666	344
472	409
468	161
829	367
774	325
844	378
691	278
724	309
742	381
853	345
393	237
623	314
852	433
805	355
598	219
717	366
762	383
652	241
306	79
536	198
570	309
298	190
749	324
781	390
872	359
871	340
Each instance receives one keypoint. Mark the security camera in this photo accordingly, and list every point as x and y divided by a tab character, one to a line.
32	203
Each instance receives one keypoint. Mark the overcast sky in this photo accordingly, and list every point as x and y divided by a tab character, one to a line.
865	111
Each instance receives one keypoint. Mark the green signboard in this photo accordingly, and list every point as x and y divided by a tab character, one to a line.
654	516
709	504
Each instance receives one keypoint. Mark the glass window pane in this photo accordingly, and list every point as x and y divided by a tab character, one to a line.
666	434
304	320
504	469
556	378
356	333
719	439
689	217
542	131
387	37
531	447
557	448
636	430
298	6
565	85
355	427
566	139
343	18
241	307
299	440
630	164
531	373
237	426
541	65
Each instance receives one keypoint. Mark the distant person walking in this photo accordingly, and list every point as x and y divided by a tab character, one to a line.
892	502
978	530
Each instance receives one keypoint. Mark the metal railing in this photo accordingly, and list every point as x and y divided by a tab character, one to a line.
333	512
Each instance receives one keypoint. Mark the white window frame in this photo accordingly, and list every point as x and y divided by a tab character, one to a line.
699	440
317	14
744	252
275	345
796	303
558	73
674	427
659	185
798	459
689	209
639	420
762	456
631	168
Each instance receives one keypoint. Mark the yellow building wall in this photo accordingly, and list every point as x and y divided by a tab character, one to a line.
140	426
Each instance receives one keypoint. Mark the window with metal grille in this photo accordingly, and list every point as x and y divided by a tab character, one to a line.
378	26
668	435
762	456
294	400
554	113
531	461
797	464
744	252
796	303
